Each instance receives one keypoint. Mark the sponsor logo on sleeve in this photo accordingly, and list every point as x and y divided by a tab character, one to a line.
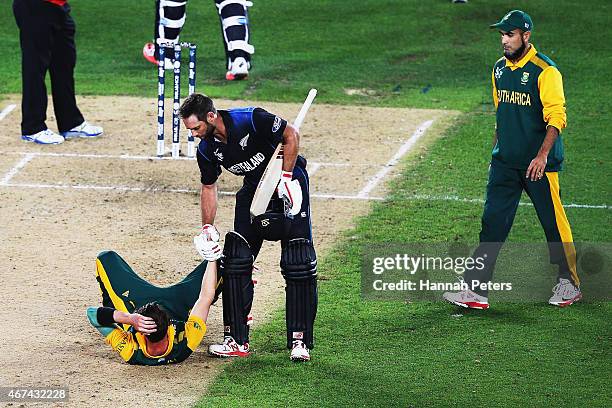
277	124
499	72
218	155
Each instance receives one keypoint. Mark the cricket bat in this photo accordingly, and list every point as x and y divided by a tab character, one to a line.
272	174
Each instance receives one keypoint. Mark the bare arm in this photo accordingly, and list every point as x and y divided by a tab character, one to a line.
291	146
208	203
207	292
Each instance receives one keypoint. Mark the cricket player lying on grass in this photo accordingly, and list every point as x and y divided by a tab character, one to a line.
148	324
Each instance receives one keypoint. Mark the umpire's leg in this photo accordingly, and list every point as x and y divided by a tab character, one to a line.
299	268
503	195
61	71
36	20
545	195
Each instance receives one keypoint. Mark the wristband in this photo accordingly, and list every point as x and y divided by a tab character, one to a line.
105	316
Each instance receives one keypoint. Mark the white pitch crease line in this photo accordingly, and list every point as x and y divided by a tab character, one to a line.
373	182
164	190
7	110
426	197
423	197
313	168
20	165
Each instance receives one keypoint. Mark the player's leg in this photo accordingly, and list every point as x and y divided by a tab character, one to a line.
545	195
169	21
504	190
120	285
234	21
299	268
237	268
238	296
35	21
61	71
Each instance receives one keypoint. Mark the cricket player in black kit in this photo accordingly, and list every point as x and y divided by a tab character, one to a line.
243	141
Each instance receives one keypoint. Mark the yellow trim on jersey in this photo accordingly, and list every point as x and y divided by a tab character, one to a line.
563	226
540	62
195	329
143	344
122	342
550	85
523	61
495	99
117	301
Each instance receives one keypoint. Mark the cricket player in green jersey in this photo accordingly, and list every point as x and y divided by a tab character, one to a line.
528	154
148	324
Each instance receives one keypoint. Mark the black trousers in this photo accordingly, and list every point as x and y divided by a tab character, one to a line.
46	34
300	226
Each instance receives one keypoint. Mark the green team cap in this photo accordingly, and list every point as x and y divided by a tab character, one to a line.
513	20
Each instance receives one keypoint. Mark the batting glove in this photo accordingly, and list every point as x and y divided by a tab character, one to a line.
207	243
290	191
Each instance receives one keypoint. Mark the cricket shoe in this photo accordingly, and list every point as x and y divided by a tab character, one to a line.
148	52
299	351
467	298
565	293
46	137
229	348
85	129
239	70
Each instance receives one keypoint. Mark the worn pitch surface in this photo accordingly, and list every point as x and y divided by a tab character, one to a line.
61	205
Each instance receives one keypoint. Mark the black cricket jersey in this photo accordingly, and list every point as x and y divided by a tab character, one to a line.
252	136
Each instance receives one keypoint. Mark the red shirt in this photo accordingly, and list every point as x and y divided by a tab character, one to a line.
57	2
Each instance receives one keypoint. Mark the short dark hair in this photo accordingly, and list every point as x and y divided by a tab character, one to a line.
159	316
197	104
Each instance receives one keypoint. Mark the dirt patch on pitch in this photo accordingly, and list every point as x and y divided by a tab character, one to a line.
58	211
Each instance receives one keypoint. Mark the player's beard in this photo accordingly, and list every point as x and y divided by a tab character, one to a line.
514	56
210	131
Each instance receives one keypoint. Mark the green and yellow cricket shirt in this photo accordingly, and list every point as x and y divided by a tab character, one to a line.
185	337
528	97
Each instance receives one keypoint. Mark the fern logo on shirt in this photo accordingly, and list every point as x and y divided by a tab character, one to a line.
243	141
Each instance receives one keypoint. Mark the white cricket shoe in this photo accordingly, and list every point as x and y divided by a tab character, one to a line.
299	351
229	348
467	298
85	129
565	293
46	136
239	70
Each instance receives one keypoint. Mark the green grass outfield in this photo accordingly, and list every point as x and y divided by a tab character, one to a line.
391	353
